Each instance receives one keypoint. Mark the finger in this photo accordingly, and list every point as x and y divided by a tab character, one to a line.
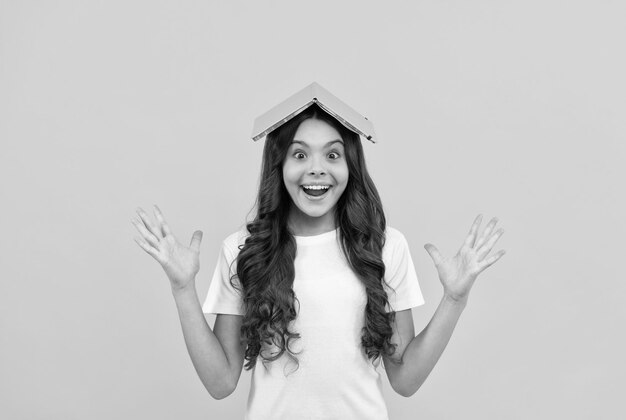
146	221
146	247
486	248
165	229
149	237
195	240
489	261
486	233
471	236
434	253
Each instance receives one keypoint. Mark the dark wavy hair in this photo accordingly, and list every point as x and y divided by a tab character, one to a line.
265	263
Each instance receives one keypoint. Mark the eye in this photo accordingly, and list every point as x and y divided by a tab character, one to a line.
333	155
299	155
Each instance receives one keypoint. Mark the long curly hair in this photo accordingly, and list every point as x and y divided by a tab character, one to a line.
265	263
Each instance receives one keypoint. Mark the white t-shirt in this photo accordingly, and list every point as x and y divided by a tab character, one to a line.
334	379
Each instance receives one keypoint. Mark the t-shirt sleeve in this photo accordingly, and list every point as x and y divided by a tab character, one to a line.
400	273
222	297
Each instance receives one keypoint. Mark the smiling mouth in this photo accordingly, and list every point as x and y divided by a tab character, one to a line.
316	190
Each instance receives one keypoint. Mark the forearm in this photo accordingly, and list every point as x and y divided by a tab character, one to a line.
423	352
207	354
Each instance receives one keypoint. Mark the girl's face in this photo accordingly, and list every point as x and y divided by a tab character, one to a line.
315	172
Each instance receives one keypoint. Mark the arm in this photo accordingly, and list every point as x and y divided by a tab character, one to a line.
422	352
457	274
217	357
218	375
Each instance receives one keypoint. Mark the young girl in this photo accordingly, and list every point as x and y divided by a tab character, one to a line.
317	287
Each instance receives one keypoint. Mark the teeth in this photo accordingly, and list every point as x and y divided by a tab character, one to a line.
316	187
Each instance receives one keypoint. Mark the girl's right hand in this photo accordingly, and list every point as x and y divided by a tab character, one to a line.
181	263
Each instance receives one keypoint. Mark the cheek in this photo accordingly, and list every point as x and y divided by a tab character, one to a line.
290	176
343	174
341	177
285	171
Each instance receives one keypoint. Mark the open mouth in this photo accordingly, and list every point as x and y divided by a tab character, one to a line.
315	190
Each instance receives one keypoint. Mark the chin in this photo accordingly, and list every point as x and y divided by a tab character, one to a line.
318	213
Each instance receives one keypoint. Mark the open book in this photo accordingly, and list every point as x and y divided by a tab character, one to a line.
300	101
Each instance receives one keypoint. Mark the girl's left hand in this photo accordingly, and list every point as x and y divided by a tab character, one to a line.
457	274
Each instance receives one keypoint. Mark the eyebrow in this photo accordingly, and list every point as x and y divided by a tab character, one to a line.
326	145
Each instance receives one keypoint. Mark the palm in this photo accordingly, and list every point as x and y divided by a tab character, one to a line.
458	273
181	263
178	261
457	269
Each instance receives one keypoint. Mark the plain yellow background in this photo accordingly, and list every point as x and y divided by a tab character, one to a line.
510	109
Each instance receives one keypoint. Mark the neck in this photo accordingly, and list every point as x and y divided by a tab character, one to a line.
301	224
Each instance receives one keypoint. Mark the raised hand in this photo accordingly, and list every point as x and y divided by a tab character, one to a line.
181	263
457	274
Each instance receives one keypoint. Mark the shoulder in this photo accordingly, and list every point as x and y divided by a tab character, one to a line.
394	238
393	234
232	242
396	245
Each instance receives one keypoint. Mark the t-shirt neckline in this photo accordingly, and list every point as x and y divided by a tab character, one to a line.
316	239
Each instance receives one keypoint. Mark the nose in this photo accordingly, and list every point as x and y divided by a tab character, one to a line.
316	168
317	172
